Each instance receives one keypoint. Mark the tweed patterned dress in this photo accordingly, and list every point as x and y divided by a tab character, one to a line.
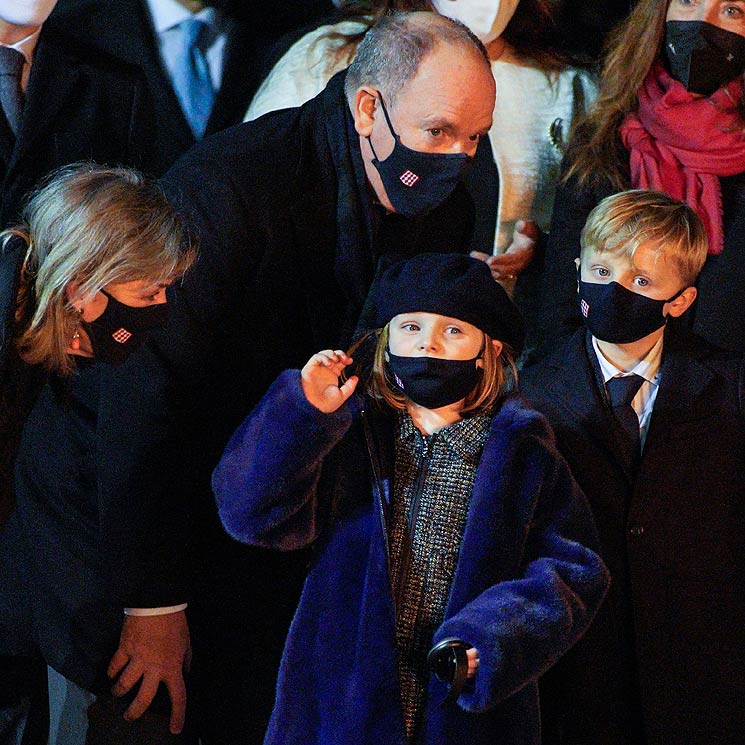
433	481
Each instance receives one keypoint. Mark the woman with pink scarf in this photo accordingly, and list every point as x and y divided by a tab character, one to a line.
670	116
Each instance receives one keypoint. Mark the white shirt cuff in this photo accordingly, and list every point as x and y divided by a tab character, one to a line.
155	611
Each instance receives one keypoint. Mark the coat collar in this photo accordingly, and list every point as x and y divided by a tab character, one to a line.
685	377
328	212
54	76
574	384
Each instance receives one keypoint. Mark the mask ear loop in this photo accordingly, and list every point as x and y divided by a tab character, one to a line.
388	122
676	295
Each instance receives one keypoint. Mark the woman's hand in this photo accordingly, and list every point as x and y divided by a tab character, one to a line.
320	380
516	259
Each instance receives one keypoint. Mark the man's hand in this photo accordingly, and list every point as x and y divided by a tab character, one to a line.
320	380
516	259
153	649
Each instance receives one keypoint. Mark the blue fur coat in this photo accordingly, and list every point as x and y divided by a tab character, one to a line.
526	585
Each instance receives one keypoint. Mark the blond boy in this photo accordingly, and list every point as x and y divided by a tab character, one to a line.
650	419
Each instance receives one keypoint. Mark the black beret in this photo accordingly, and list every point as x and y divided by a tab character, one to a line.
451	285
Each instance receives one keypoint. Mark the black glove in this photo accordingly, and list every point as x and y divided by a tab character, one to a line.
448	662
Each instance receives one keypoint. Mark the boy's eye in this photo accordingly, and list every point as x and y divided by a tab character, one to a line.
641	282
435	131
453	330
601	271
410	327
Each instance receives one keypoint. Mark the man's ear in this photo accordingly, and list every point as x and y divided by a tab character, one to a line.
365	106
681	303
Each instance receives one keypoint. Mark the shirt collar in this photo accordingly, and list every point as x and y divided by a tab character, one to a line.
465	437
168	13
647	368
26	46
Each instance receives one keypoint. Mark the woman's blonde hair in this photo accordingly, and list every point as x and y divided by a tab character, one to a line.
492	385
633	47
86	227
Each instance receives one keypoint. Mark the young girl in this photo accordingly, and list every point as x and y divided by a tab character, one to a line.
98	250
442	516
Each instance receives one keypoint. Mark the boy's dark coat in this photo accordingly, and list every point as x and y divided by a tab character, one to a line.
524	590
673	539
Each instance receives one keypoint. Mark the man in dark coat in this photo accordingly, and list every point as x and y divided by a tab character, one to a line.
293	216
664	660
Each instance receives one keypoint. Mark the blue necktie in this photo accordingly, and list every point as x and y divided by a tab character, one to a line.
192	81
11	95
621	391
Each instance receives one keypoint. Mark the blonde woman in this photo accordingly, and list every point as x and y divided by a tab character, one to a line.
99	246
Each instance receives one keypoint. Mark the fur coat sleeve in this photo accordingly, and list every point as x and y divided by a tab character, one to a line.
266	487
523	624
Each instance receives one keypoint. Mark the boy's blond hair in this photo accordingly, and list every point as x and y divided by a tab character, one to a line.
624	221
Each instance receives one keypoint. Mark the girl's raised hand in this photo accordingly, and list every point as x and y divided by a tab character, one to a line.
320	380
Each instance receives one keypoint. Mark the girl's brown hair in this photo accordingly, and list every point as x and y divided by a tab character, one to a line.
87	227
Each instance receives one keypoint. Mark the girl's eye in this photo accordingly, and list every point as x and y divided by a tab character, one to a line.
642	282
601	271
435	131
453	330
410	327
733	11
475	138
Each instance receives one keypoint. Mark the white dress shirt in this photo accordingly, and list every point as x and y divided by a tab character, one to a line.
649	369
26	47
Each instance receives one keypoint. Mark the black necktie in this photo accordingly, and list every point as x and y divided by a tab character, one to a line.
11	94
621	391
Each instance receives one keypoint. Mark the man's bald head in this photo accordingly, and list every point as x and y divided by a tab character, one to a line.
393	49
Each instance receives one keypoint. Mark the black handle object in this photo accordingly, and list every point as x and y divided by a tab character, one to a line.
448	662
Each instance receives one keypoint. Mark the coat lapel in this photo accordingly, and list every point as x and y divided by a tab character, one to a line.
575	387
7	144
681	400
238	80
54	76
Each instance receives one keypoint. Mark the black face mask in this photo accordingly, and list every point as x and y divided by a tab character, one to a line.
417	182
616	315
703	57
433	382
121	329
